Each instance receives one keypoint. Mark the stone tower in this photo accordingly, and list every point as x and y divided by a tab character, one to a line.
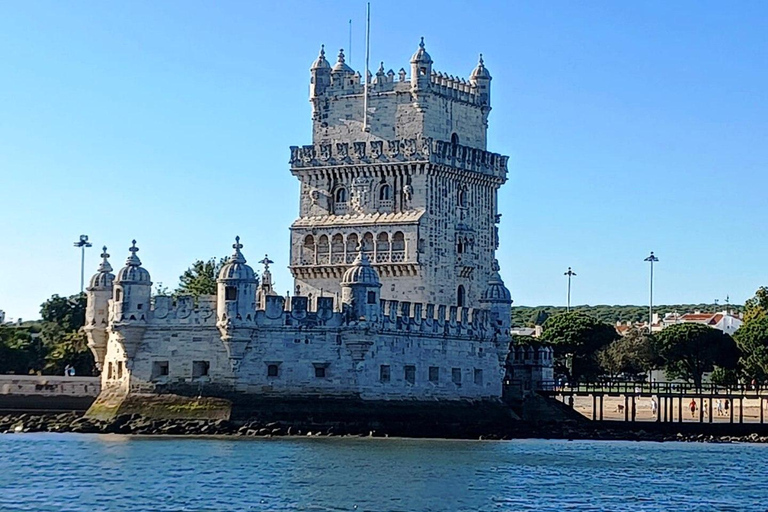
411	183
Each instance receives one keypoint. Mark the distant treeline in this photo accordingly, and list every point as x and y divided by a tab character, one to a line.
528	316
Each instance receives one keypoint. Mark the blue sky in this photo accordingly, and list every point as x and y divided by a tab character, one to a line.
631	127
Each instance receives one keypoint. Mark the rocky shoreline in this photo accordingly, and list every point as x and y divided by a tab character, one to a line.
136	425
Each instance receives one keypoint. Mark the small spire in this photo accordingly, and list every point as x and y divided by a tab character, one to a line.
266	262
341	55
133	260
421	44
381	69
480	62
104	266
322	51
237	256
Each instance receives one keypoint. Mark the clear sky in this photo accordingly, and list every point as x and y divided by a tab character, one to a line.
631	127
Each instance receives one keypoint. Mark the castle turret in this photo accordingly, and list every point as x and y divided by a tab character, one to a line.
132	290
341	71
98	293
130	302
497	299
360	288
320	80
236	304
421	69
265	287
481	79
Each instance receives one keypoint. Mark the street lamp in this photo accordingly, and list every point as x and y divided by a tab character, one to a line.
570	274
653	259
82	244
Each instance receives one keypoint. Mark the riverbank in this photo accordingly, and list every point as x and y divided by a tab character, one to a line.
571	430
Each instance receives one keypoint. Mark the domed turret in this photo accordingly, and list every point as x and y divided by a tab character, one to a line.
133	272
321	75
132	289
98	293
236	288
361	287
236	305
481	79
421	68
498	301
103	278
341	65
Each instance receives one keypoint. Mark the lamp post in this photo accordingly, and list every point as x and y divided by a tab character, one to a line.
570	274
82	244
653	259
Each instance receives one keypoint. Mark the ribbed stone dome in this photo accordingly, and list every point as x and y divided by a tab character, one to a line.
496	291
361	273
321	61
104	277
341	65
421	54
133	272
480	71
236	268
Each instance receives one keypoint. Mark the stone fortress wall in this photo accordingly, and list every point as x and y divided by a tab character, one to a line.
379	349
397	293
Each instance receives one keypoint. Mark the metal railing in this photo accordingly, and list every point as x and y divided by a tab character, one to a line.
651	388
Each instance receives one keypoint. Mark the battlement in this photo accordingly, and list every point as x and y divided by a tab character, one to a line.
434	319
443	84
302	312
529	355
395	151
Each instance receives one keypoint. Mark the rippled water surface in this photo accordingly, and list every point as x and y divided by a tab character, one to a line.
71	472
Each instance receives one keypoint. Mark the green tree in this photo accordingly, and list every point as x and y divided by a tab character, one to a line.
757	306
68	313
632	354
64	343
200	278
19	351
752	340
688	350
576	338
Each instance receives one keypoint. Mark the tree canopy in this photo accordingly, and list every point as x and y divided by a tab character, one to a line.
200	278
632	354
752	340
64	343
528	316
757	306
576	338
688	350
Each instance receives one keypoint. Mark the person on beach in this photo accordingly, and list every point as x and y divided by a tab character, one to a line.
692	407
654	406
719	405
727	407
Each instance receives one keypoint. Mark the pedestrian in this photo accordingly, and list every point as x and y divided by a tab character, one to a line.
654	406
71	371
719	405
692	406
66	370
727	407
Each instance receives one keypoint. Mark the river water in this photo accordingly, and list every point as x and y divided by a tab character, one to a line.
82	472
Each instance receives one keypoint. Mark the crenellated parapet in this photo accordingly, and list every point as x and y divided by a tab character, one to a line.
435	320
418	149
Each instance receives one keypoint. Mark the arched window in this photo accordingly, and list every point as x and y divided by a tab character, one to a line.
352	242
382	247
340	201
341	195
460	296
454	139
337	248
323	248
461	196
308	251
368	242
385	193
